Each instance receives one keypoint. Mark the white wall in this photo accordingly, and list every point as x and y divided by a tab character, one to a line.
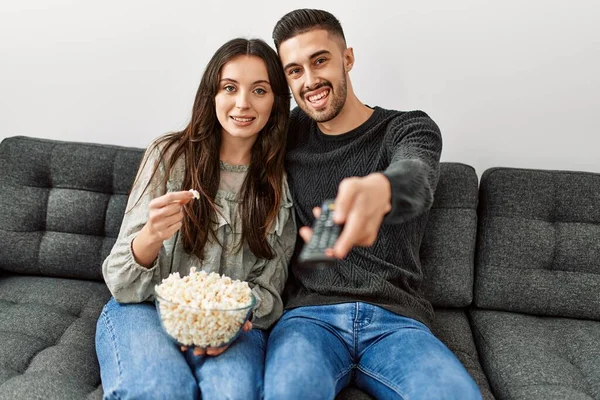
511	83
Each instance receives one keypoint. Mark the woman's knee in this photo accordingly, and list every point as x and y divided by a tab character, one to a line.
244	386
235	374
154	388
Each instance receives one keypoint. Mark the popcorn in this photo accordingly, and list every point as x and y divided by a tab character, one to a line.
195	193
205	310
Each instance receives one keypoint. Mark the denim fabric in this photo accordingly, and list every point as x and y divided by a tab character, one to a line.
313	352
138	360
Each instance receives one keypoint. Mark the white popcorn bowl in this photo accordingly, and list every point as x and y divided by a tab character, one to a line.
202	327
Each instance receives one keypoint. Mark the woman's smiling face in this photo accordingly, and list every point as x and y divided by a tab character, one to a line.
244	100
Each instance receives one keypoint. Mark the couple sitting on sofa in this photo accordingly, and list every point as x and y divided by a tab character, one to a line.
360	322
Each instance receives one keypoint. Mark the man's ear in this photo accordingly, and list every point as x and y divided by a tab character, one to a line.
348	59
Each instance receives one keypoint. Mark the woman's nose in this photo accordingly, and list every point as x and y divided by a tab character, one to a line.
241	102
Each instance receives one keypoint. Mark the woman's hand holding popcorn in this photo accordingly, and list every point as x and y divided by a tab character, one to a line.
165	215
165	218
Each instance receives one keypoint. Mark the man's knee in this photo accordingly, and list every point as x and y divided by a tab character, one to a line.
450	385
291	390
459	386
298	380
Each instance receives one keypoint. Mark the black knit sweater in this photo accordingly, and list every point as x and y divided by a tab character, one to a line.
406	147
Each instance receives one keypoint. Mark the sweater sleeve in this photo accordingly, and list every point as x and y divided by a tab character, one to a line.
415	144
268	278
128	281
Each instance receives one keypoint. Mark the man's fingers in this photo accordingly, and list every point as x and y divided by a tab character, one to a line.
358	231
184	348
316	212
306	233
344	200
348	238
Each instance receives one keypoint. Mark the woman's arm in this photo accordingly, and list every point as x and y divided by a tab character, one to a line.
134	264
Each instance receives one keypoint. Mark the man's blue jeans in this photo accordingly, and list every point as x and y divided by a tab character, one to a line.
138	360
313	352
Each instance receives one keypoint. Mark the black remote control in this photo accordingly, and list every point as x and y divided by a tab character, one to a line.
325	234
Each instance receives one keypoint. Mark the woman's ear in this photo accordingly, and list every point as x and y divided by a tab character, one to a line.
348	59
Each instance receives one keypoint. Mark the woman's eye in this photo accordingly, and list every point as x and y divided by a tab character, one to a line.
260	91
229	88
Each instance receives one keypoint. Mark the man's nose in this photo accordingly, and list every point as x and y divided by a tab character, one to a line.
311	80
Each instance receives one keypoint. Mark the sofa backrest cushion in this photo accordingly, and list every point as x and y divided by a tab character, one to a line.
538	248
448	248
61	205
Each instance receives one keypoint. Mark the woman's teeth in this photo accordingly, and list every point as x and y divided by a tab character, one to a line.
242	119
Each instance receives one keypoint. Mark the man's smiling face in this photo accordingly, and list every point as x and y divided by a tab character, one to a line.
314	67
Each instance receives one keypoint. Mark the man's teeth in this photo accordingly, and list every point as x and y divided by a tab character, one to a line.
242	119
318	96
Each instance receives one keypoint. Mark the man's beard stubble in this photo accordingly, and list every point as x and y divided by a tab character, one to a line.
337	101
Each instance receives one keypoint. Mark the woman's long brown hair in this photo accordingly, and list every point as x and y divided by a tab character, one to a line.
199	143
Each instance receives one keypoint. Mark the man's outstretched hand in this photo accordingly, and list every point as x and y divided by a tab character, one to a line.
360	205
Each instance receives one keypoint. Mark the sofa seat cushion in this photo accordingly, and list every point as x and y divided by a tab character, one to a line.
47	330
452	327
533	357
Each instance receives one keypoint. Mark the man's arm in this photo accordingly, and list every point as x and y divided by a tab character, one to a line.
403	191
414	168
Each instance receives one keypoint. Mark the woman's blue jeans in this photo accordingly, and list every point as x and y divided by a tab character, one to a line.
139	361
313	352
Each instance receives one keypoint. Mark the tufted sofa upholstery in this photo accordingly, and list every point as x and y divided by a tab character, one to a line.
537	292
511	266
61	206
447	257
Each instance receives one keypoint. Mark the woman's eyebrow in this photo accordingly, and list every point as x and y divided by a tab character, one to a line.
254	83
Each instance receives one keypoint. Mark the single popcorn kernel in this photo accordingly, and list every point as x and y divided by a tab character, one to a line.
205	310
195	193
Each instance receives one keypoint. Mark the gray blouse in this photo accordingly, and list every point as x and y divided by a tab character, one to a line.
130	282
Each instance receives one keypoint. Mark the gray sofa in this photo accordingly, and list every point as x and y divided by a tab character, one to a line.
512	266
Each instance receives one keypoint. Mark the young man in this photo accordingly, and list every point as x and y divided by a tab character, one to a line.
362	320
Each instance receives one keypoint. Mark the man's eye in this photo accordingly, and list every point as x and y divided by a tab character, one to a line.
260	91
293	71
320	60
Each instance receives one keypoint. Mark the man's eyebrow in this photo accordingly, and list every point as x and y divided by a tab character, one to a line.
313	55
254	83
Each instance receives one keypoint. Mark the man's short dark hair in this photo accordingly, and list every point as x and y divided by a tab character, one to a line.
303	20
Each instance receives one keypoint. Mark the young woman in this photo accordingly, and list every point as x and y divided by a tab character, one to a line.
242	226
